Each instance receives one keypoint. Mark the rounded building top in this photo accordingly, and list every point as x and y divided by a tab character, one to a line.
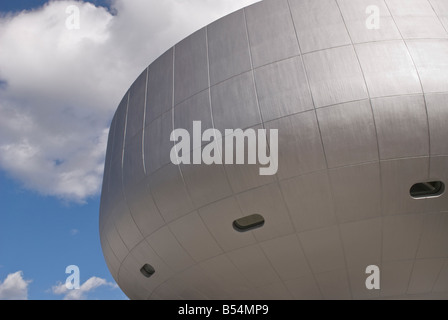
357	92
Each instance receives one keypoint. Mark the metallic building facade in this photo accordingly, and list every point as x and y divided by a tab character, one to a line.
362	115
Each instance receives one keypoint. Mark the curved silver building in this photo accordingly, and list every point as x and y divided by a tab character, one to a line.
358	90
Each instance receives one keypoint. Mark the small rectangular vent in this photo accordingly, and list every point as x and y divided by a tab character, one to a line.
248	223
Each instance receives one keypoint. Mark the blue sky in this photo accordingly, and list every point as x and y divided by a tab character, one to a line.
59	89
14	6
42	235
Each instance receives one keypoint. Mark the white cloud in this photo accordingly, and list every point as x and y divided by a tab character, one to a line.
14	287
81	293
60	87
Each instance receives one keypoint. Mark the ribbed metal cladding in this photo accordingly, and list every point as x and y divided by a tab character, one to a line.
361	116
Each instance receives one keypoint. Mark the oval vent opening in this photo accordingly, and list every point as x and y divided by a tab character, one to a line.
248	223
427	189
147	270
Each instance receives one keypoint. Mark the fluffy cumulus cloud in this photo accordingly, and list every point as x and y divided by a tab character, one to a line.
14	287
59	86
81	293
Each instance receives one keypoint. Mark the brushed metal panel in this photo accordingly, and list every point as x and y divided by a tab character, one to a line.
348	133
282	89
116	244
105	204
395	277
335	76
268	202
197	179
398	176
180	285
160	87
438	172
164	292
142	254
434	239
104	214
441	284
245	176
222	269
126	227
120	127
388	68
441	9
432	65
115	182
106	231
195	108
356	192
106	200
135	208
134	286
253	264
355	17
209	287
334	285
143	208
304	288
275	291
108	161
195	277
319	24
203	283
219	217
362	243
133	161
424	275
190	66
402	126
165	183
271	32
115	192
136	108
234	103
357	278
416	19
287	257
323	248
423	27
436	104
309	200
169	250
412	7
111	260
300	147
157	145
131	287
401	236
191	232
228	47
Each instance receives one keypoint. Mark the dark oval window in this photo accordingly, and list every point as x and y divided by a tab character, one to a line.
147	270
427	189
248	223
